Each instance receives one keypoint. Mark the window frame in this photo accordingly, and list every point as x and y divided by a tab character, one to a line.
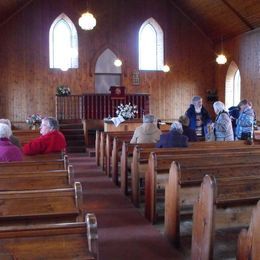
159	37
73	42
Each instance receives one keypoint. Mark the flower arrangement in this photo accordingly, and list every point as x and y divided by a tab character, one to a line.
34	120
63	90
127	111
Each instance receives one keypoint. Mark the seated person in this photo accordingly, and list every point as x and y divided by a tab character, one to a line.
8	151
50	141
14	140
174	138
148	132
189	132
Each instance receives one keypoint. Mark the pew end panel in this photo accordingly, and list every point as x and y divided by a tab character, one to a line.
172	208
249	240
92	233
97	147
203	221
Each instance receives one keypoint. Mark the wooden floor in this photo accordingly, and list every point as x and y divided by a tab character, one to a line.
123	232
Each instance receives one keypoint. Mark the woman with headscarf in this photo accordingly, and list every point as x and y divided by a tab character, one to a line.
223	126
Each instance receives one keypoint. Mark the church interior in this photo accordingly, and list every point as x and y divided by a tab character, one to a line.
84	63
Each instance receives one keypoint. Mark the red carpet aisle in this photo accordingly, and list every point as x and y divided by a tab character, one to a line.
123	232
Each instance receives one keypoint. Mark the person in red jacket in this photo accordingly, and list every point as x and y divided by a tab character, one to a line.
50	141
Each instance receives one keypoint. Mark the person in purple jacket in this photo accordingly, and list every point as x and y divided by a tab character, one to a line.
174	138
8	151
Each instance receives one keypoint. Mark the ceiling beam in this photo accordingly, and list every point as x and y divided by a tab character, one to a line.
16	12
175	5
238	15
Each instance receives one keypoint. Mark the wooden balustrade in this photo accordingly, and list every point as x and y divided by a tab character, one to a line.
97	106
69	107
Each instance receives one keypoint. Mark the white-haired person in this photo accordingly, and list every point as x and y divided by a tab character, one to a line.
223	126
148	132
174	138
198	116
50	141
14	140
8	151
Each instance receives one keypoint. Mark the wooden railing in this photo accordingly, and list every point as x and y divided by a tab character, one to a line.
97	106
70	107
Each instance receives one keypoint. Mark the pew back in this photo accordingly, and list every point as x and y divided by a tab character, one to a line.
37	180
41	206
249	240
25	136
51	241
29	166
159	165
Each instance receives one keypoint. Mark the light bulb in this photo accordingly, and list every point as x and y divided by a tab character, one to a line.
221	59
87	21
166	68
117	62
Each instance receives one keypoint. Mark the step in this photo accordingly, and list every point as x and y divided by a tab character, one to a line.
74	137
75	142
70	121
72	131
71	126
76	149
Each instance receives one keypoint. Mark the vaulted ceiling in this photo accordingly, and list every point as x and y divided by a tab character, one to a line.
217	19
222	18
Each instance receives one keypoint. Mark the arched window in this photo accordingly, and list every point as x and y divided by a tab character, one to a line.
63	43
151	52
106	73
233	85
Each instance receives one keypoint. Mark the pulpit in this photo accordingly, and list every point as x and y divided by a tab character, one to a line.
117	92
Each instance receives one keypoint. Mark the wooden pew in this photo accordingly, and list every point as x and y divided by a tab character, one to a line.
102	151
109	144
157	173
227	202
249	240
41	206
29	166
115	158
182	189
41	157
25	136
97	147
141	155
126	160
78	240
37	180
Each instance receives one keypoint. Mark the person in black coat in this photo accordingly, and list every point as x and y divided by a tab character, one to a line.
189	132
174	138
199	116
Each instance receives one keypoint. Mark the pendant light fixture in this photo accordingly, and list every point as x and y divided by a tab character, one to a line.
87	21
221	58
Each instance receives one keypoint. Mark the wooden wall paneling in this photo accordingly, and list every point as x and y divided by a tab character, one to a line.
245	52
30	83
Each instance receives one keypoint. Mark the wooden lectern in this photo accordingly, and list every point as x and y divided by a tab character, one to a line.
117	92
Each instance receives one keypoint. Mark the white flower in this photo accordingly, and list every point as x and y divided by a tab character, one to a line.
127	111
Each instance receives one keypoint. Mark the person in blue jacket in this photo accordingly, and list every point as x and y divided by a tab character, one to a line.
199	116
